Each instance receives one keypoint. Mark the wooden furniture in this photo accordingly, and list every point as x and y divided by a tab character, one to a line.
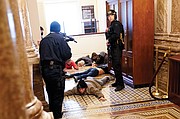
174	79
137	17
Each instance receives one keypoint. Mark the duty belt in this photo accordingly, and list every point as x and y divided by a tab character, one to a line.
50	62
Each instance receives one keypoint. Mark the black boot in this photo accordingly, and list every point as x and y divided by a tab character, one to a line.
114	84
118	88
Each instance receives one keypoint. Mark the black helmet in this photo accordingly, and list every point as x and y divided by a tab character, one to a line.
112	12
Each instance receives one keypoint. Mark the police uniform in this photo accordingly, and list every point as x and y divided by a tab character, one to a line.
54	52
115	31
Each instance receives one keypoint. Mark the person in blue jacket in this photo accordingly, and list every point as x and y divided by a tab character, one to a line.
54	52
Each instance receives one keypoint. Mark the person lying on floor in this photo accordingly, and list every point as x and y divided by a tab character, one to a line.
90	86
99	59
87	61
92	72
70	64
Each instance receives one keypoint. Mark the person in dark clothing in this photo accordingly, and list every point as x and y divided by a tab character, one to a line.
93	72
114	36
54	52
99	59
87	60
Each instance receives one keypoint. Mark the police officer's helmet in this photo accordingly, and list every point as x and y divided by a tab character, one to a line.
112	12
55	27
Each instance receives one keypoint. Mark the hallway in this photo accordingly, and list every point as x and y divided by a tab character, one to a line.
126	104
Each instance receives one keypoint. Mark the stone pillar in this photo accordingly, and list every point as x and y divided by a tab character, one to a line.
161	16
33	59
34	21
176	17
17	97
29	42
12	103
24	69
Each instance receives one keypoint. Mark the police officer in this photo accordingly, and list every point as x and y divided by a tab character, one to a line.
54	52
114	35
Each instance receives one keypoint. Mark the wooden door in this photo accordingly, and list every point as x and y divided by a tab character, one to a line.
125	16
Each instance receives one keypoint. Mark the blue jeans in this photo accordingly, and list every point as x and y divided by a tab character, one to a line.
90	72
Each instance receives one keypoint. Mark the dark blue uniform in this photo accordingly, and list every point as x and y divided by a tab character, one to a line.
113	36
54	51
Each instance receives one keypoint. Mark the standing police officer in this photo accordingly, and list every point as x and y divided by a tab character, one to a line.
114	36
54	52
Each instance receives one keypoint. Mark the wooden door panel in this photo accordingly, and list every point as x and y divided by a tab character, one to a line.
174	79
129	64
124	63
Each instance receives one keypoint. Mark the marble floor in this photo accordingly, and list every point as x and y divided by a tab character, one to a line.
128	103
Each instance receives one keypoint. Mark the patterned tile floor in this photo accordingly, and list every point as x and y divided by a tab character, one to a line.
126	104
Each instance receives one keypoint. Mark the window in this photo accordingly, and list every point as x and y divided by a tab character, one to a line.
66	13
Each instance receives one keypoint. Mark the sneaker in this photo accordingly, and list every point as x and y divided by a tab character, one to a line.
118	88
75	79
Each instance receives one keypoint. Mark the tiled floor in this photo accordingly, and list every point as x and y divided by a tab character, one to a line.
126	104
